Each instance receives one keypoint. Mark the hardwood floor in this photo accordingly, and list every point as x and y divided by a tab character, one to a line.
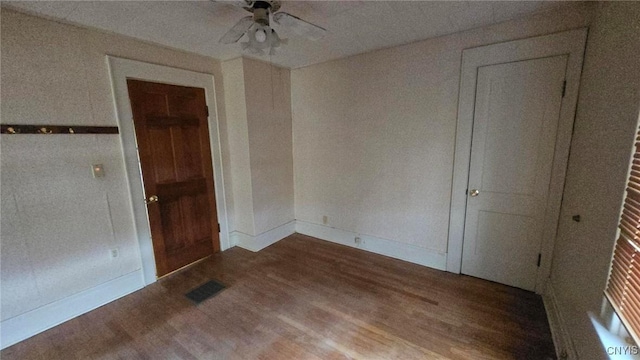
304	298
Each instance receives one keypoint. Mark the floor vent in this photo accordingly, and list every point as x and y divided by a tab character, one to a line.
205	291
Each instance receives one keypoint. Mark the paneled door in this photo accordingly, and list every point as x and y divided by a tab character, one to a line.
516	116
171	125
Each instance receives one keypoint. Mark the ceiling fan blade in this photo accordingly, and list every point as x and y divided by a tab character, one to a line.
299	26
244	3
237	3
236	32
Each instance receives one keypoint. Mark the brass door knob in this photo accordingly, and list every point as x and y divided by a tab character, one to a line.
474	193
152	199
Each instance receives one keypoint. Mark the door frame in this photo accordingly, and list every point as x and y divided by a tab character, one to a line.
571	43
120	70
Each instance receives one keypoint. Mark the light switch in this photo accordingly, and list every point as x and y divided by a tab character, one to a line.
97	170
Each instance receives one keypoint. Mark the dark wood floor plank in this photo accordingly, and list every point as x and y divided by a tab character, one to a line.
303	298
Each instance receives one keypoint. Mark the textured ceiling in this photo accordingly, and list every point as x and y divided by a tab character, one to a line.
353	26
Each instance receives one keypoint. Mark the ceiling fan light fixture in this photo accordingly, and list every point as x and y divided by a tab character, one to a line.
261	39
261	36
258	27
275	39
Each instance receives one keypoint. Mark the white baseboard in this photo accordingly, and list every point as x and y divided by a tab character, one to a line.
240	239
261	241
234	238
561	336
26	325
394	249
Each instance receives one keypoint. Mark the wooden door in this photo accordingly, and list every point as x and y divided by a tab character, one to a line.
517	111
171	124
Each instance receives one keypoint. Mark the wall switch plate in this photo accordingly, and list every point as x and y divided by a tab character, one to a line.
97	170
358	240
114	253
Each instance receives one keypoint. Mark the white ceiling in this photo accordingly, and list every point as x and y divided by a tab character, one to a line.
353	26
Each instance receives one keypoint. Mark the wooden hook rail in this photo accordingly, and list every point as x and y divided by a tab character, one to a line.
57	129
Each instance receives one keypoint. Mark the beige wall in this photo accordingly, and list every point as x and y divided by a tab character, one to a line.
241	203
268	99
58	222
373	150
605	127
374	134
260	138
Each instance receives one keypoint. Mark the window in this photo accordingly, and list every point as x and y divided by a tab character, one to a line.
623	288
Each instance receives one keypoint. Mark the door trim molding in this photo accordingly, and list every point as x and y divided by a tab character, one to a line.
571	43
121	69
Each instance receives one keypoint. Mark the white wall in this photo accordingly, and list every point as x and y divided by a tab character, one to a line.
58	222
374	133
260	139
373	150
238	135
268	99
605	127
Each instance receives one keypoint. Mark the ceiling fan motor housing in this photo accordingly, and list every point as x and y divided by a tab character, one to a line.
258	30
261	10
274	5
261	16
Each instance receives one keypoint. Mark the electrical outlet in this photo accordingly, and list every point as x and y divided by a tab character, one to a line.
114	253
358	240
325	219
97	170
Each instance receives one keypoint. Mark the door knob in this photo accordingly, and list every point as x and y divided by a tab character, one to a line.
474	193
152	199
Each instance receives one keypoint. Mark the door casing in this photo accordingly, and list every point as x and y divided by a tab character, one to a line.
570	43
123	69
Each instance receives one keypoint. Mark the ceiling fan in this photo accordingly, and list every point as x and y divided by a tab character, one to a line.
258	29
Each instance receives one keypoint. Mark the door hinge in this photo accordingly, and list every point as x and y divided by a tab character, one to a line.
564	88
218	227
539	259
466	192
206	110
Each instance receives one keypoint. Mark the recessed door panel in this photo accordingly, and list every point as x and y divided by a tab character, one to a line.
173	144
514	133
